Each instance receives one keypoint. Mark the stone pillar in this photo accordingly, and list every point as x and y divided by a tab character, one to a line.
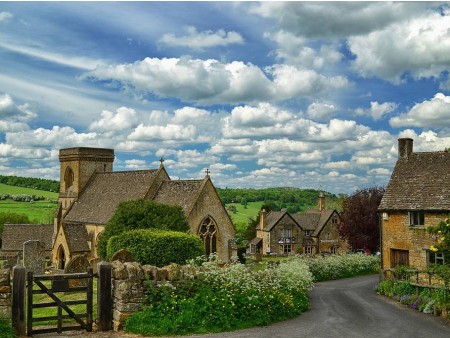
128	291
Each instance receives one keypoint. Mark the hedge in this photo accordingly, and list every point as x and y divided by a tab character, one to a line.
157	247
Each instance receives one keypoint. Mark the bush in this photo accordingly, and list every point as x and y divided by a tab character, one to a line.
341	266
223	299
6	330
142	214
157	247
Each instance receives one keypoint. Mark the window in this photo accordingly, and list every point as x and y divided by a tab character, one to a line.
416	218
68	178
285	249
334	220
309	250
334	250
438	257
287	233
307	233
328	236
208	234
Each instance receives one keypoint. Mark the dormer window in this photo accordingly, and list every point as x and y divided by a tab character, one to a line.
416	218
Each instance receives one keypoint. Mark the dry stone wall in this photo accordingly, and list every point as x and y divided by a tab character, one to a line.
5	294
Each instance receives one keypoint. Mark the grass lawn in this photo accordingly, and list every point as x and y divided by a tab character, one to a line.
39	211
242	213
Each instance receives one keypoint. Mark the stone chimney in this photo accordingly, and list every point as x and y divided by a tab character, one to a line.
405	147
262	219
321	205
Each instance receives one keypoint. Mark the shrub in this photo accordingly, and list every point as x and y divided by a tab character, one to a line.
6	330
221	299
157	247
341	266
142	214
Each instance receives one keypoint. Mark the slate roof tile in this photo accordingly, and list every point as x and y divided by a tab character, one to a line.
183	193
14	235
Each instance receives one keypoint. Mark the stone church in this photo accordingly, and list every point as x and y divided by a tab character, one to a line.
91	191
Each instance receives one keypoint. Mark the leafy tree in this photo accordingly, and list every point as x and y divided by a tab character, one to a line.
13	218
142	214
360	222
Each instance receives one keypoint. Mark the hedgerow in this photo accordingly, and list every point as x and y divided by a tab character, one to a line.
157	247
220	299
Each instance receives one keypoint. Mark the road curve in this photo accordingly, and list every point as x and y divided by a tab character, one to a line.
351	308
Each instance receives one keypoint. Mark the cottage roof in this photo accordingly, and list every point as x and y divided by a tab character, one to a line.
183	193
105	191
272	218
77	237
14	235
308	221
419	182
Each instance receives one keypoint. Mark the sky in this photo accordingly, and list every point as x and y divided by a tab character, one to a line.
263	94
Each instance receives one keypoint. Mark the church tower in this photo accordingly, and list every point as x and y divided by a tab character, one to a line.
77	165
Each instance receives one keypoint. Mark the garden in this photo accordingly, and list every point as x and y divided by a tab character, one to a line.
224	298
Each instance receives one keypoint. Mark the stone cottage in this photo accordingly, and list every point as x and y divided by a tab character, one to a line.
315	231
91	191
417	196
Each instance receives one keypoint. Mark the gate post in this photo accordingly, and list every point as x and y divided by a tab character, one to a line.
104	296
18	301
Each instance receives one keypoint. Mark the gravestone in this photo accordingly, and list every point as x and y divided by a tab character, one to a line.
34	257
94	262
77	264
122	255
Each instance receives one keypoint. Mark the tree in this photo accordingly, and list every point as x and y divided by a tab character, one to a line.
360	221
142	214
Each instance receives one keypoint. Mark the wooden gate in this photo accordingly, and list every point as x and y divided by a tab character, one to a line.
56	286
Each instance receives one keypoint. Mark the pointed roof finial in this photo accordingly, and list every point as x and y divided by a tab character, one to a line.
161	160
207	171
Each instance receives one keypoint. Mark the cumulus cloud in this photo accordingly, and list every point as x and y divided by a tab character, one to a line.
334	20
419	46
432	113
321	111
213	82
294	50
14	117
123	119
200	40
136	164
377	110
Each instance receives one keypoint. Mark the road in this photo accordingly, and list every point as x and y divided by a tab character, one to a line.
343	308
351	308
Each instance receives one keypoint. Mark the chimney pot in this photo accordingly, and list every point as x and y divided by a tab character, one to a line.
405	147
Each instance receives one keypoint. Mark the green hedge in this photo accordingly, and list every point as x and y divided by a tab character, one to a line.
142	214
157	247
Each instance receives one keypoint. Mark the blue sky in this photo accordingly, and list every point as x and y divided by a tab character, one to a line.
302	94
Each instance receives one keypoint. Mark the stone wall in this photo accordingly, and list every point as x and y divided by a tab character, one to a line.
5	294
130	283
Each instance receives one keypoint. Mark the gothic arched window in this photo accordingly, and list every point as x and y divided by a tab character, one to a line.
208	234
68	178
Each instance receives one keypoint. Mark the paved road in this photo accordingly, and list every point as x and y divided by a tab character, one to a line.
344	308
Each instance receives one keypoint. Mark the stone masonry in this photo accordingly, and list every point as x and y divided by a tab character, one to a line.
5	294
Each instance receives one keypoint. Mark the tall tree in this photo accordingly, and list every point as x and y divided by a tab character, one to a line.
360	220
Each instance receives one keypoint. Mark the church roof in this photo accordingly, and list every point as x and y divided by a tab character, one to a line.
419	182
14	235
183	193
105	191
77	237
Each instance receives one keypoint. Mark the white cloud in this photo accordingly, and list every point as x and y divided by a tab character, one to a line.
434	113
136	164
5	17
164	133
124	119
379	171
420	46
211	81
377	110
13	117
263	115
200	40
328	20
321	110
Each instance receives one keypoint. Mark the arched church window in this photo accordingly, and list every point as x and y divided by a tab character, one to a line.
208	234
61	257
68	178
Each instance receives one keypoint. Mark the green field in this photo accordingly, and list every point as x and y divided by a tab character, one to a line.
240	218
38	211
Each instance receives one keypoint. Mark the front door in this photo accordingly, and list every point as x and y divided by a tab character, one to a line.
399	257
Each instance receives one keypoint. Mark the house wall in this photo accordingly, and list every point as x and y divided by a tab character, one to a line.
209	204
326	242
398	234
277	232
